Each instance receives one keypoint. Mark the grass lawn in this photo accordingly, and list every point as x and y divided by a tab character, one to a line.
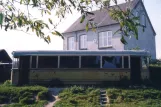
26	96
79	97
134	97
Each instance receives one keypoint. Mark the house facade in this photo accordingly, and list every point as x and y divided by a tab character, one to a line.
77	38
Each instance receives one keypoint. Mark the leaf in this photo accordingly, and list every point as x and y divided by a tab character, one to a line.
6	27
37	33
57	33
9	7
21	1
116	31
90	13
72	2
48	12
48	37
50	21
87	26
27	29
83	17
123	40
1	18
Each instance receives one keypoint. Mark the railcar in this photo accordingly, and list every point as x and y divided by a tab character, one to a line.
78	67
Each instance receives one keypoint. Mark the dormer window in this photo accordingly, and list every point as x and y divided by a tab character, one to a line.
143	20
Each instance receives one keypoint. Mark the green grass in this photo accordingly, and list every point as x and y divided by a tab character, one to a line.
134	97
22	96
77	96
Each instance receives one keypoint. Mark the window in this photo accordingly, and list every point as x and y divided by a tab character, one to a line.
105	39
15	63
126	62
143	20
69	62
111	62
90	62
71	43
47	61
83	42
137	14
33	63
144	62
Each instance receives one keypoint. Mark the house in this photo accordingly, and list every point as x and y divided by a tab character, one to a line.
76	37
5	65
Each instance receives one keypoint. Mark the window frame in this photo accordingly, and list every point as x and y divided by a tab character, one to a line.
68	43
107	46
82	48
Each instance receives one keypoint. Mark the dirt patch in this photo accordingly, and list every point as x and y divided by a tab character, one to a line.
54	93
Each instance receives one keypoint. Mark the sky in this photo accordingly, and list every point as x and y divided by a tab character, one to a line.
13	40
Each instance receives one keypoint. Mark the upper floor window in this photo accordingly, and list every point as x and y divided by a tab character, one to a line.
83	42
143	20
137	14
71	43
105	39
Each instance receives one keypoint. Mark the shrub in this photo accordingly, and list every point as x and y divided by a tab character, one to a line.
43	95
27	100
7	83
77	89
3	99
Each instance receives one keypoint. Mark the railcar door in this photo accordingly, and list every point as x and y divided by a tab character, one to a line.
24	66
135	70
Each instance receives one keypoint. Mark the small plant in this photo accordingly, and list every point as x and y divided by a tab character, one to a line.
7	83
27	100
43	95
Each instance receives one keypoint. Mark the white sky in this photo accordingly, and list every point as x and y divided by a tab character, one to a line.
17	40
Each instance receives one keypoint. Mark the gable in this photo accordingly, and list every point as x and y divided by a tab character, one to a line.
146	14
4	57
101	18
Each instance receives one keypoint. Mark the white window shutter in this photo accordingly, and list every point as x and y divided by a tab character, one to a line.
85	41
71	43
101	39
105	39
109	38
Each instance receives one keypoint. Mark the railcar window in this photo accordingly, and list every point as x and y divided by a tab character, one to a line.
47	61
111	62
144	62
69	61
126	62
90	62
33	64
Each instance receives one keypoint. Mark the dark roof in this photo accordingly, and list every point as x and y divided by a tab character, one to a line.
101	17
78	52
4	57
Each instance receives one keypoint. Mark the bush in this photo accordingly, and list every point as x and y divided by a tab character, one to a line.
3	99
27	100
7	83
43	95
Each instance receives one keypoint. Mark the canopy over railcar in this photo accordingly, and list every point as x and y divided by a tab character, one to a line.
81	53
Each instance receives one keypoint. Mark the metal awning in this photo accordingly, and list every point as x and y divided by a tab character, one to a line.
81	52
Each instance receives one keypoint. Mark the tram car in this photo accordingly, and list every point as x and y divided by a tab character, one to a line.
79	67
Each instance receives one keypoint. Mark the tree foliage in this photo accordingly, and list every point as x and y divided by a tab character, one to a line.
13	18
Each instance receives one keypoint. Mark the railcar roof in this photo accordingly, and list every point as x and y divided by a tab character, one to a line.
82	52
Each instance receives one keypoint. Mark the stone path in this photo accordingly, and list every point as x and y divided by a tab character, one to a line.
104	100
